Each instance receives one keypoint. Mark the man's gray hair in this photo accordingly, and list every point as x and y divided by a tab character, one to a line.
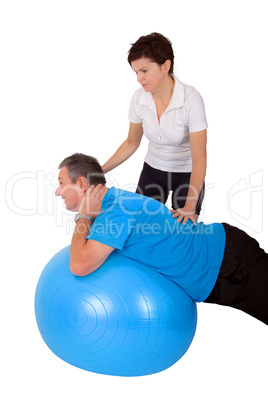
83	165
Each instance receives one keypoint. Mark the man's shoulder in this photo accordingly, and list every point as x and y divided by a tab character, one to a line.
119	198
134	203
118	193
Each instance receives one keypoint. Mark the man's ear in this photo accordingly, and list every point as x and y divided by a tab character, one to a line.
82	183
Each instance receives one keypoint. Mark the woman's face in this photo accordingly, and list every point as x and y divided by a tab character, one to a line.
150	75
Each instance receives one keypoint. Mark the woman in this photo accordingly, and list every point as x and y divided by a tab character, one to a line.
172	117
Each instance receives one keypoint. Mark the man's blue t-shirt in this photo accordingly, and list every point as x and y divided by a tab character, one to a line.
143	229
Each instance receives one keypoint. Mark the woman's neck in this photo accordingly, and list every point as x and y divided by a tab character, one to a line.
164	93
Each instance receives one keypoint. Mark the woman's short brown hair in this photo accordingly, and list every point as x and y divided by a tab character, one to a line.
155	47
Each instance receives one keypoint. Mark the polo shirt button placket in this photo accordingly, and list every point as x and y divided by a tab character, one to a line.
159	133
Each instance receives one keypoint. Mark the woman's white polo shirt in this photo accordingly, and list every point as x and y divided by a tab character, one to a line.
169	139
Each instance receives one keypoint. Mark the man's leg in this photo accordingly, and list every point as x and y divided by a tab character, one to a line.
243	277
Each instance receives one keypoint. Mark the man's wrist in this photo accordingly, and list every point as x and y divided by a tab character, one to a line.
82	216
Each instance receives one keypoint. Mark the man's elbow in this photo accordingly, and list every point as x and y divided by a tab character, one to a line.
79	269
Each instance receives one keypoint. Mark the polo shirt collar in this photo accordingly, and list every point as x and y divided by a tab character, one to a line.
146	98
177	99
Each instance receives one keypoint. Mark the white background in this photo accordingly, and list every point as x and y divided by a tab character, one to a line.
66	87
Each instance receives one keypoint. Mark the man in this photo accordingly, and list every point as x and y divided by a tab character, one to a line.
215	263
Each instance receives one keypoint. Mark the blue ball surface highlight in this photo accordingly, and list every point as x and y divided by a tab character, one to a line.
124	319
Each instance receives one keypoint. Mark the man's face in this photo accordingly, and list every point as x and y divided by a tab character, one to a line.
70	192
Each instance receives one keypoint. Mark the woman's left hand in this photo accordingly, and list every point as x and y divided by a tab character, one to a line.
185	213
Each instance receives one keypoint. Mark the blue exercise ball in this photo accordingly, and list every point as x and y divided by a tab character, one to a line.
124	319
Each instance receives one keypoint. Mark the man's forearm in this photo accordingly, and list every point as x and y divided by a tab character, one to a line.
78	257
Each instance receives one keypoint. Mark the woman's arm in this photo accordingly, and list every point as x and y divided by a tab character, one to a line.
198	142
126	149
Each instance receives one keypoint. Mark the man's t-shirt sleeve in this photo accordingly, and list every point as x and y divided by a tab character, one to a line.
111	228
